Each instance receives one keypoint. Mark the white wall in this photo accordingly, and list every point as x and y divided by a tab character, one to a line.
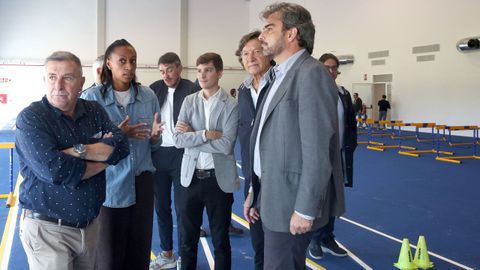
446	90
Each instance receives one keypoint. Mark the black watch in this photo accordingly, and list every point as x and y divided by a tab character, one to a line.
80	149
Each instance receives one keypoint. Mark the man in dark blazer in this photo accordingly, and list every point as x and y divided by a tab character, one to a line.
323	239
250	93
171	91
297	175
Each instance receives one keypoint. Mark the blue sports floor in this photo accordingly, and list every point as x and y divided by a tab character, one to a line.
393	197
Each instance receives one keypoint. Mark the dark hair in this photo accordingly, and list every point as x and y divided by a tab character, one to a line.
383	96
169	58
295	16
245	39
215	58
327	56
106	77
64	56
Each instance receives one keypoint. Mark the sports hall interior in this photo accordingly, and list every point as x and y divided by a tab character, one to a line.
407	50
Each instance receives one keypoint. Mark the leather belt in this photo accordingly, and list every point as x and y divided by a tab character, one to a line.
204	174
33	215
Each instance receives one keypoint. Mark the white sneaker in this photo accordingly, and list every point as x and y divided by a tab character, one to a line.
163	262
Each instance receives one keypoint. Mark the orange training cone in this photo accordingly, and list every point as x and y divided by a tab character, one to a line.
421	258
405	261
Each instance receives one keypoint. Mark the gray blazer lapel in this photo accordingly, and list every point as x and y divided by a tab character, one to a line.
286	83
215	114
201	111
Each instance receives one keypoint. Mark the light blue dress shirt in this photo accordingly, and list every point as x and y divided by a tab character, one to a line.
121	177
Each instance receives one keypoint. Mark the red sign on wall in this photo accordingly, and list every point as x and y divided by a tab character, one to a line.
3	98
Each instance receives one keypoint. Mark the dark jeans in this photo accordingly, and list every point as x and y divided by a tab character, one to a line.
324	233
167	161
125	237
284	250
205	193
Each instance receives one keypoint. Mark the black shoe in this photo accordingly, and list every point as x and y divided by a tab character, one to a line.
203	233
330	246
234	231
315	251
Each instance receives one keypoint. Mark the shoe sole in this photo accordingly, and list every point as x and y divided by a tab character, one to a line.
327	250
315	257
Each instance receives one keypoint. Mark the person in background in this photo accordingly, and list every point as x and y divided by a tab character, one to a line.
97	71
250	93
207	129
233	92
323	239
357	105
63	183
296	167
383	107
167	159
126	217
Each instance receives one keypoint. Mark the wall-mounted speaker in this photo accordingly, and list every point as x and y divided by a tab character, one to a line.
468	44
346	59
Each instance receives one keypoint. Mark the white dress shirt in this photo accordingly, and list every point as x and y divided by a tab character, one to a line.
205	160
167	117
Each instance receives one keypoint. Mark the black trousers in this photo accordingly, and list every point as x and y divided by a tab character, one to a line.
205	193
285	251
125	237
167	161
324	233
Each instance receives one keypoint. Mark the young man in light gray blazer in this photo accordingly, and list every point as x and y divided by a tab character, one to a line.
207	129
297	179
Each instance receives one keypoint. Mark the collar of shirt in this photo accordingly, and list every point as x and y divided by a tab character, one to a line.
79	108
248	82
211	98
110	96
282	69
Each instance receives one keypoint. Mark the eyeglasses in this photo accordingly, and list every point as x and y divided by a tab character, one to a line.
256	52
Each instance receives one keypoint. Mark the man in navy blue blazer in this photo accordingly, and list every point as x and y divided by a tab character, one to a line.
250	93
171	91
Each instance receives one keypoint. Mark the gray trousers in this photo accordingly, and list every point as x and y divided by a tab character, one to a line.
284	250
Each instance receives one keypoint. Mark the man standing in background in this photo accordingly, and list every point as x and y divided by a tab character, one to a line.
171	91
383	107
323	239
357	105
250	94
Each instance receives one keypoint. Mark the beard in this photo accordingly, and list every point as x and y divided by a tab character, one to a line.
273	49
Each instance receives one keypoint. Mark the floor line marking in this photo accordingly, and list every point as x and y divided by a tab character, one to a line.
411	245
9	230
355	258
208	252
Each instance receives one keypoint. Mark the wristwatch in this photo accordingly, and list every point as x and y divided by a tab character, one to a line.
80	149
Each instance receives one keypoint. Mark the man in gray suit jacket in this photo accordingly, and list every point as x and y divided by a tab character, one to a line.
297	179
207	129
